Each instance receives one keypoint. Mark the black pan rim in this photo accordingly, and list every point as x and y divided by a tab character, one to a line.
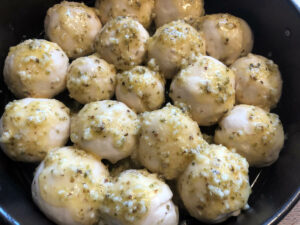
285	209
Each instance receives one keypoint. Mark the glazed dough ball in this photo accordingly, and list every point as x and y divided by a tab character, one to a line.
141	89
172	45
36	68
168	140
215	185
73	26
206	88
254	133
91	79
171	10
31	127
227	37
258	81
138	198
141	10
122	42
69	186
107	128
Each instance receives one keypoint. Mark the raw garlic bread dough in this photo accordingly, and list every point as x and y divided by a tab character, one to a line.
122	42
127	151
206	88
141	10
167	11
168	140
227	37
258	81
173	45
107	128
36	68
215	185
137	197
73	26
69	186
91	79
31	127
141	88
252	132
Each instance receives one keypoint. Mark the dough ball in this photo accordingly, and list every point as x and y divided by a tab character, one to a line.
137	197
141	10
254	133
141	89
69	186
167	11
73	26
258	81
36	68
122	42
227	37
91	79
173	44
206	88
168	140
215	185
31	127
107	128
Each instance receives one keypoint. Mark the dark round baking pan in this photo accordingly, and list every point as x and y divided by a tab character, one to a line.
276	26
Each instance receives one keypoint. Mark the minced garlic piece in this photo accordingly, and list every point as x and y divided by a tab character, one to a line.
107	128
215	185
31	127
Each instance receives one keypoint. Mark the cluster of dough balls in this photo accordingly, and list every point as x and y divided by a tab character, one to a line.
258	81
141	10
73	26
36	68
72	186
254	133
141	88
91	79
168	139
167	11
215	185
122	42
31	127
173	44
107	128
227	37
69	186
206	88
137	197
